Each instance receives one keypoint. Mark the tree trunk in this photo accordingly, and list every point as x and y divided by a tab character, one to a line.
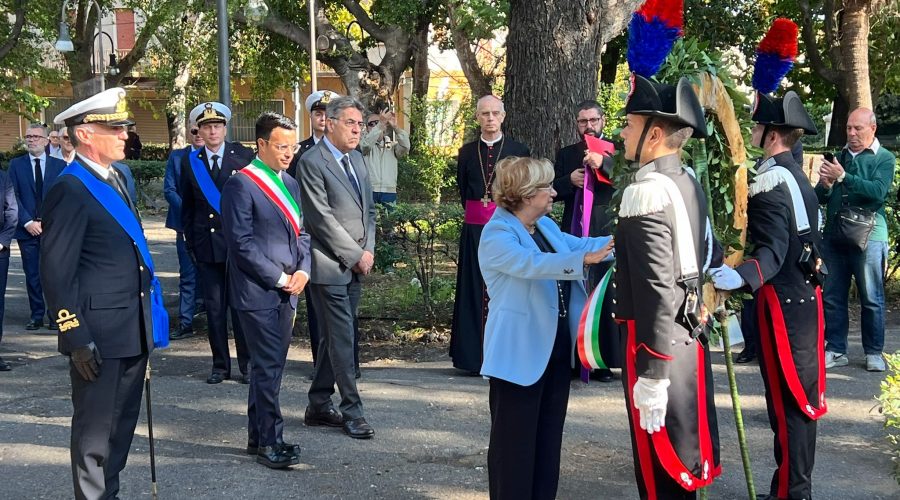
552	55
480	83
609	60
855	52
421	72
837	135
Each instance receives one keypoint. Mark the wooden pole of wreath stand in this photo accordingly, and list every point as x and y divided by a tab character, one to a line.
714	98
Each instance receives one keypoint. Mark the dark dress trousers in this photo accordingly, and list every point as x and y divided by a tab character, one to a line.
98	289
262	245
204	239
789	318
7	228
187	272
341	224
650	297
30	203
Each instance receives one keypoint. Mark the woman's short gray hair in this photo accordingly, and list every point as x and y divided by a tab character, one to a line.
516	179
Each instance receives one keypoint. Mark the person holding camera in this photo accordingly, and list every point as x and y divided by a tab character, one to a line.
383	144
853	187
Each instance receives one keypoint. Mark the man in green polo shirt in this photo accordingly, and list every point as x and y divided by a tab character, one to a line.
861	176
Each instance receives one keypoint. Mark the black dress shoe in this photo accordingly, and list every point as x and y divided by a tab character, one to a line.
274	457
182	333
4	366
34	325
245	378
52	326
330	418
292	449
604	375
216	378
358	428
746	356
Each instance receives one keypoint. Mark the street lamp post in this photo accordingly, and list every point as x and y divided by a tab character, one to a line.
64	42
224	57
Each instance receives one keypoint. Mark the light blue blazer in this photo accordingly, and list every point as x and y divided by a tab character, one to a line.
524	304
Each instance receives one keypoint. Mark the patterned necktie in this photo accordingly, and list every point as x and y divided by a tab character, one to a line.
38	187
345	161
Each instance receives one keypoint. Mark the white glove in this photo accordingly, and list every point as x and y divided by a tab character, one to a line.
650	397
726	278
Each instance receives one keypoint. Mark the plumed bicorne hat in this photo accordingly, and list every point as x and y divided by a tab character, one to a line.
775	57
652	33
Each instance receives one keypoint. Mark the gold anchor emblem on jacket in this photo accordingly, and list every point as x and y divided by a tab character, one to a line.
66	320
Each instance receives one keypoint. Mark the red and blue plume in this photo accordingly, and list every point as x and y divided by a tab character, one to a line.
775	55
652	33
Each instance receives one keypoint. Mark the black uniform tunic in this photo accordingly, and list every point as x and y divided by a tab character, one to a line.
684	455
789	318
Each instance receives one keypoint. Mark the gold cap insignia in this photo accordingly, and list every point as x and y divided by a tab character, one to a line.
326	97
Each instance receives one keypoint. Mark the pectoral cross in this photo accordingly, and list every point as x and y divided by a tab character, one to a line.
485	200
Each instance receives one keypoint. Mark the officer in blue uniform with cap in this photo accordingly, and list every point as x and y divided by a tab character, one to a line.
203	176
100	291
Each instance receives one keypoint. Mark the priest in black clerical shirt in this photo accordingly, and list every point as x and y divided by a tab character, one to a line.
474	175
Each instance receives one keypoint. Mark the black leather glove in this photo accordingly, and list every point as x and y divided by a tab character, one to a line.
86	360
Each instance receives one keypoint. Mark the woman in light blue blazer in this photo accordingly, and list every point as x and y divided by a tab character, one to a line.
534	275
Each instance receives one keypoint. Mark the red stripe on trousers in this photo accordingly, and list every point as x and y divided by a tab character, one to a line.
776	399
641	438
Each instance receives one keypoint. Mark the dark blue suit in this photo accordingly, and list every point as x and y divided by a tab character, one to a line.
203	237
93	272
30	203
8	223
262	245
187	283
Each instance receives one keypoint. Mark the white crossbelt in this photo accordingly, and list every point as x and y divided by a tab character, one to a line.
687	253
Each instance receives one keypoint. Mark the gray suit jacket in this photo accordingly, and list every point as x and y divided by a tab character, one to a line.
340	226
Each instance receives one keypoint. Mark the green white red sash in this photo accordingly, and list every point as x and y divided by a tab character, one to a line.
589	326
272	185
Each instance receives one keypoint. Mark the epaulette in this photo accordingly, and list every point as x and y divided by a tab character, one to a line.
643	197
765	182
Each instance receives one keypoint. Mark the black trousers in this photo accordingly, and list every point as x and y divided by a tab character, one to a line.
213	277
105	416
268	334
336	307
795	434
526	431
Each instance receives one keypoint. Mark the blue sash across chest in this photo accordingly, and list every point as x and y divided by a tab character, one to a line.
205	181
119	210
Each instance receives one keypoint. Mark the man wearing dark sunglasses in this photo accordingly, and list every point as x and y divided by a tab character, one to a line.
187	282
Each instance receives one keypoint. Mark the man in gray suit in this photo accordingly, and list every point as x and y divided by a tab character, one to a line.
339	215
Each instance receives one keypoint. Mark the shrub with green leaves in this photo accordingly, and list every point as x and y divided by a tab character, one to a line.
890	408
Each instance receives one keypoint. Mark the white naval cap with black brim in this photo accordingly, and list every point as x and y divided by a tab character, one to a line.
106	108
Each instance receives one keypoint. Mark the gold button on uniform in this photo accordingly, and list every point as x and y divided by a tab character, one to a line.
211	216
141	268
142	294
212	229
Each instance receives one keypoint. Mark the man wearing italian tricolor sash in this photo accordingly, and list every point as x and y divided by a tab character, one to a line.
203	176
268	267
